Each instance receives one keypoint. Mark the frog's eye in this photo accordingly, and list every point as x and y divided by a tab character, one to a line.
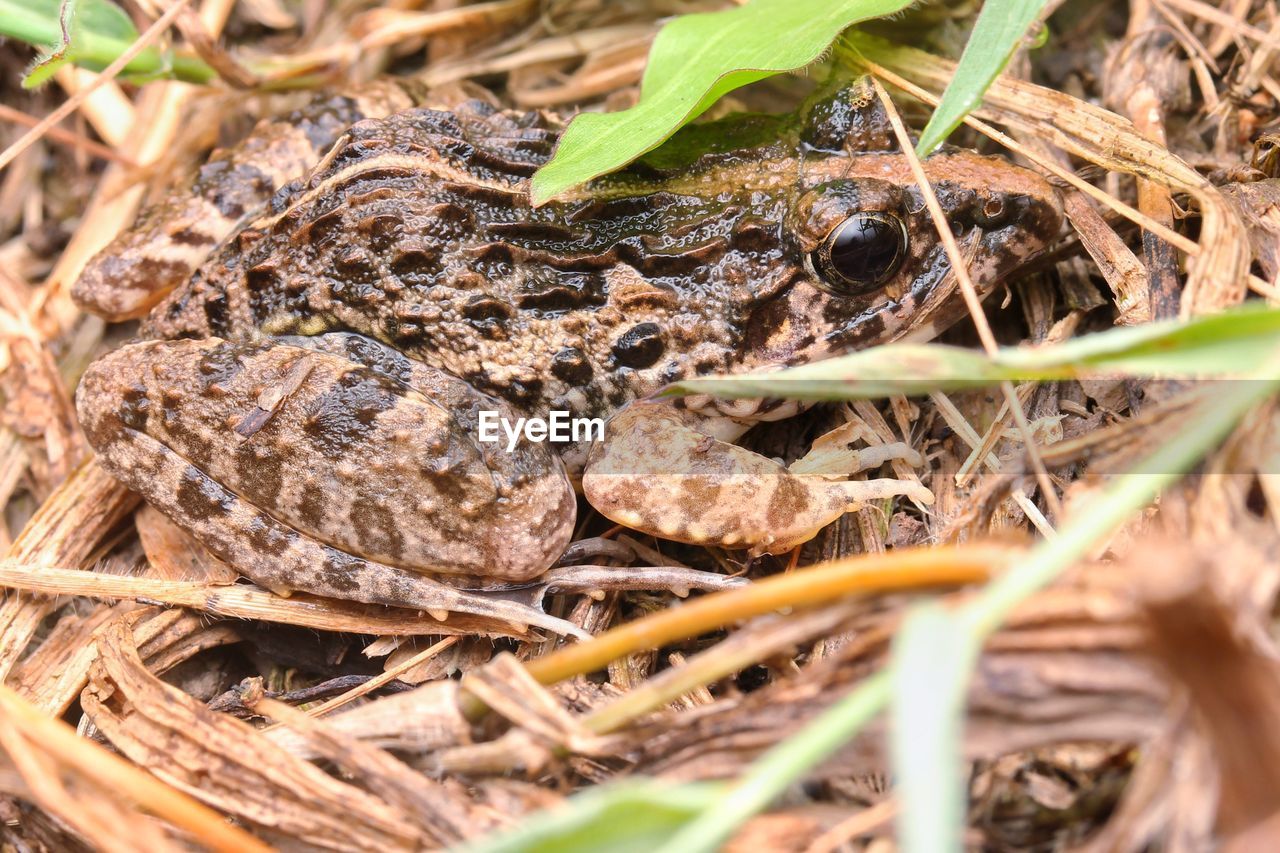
861	253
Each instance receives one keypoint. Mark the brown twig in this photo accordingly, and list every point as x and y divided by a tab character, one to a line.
66	137
894	570
113	773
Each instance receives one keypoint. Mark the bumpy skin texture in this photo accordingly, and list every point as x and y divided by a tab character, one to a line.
320	373
659	470
349	431
171	240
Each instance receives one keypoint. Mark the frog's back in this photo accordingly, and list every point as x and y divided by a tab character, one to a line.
416	230
712	255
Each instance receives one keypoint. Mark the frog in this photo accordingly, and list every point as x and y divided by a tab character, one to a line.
319	345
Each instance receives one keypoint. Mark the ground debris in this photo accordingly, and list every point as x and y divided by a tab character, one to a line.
1129	706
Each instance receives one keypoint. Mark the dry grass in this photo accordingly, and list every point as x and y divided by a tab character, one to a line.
1131	704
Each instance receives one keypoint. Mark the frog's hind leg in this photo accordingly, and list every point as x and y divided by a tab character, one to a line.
173	236
668	471
308	471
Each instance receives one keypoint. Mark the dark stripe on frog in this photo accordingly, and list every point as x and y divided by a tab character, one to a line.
193	235
545	291
521	393
261	465
135	404
242	187
146	270
201	497
340	571
313	506
318	230
571	365
636	251
788	498
344	414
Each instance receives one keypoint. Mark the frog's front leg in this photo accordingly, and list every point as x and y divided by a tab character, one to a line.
670	472
308	470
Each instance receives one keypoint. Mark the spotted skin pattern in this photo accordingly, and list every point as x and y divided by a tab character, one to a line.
306	396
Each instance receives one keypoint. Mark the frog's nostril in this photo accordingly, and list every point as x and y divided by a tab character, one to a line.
993	213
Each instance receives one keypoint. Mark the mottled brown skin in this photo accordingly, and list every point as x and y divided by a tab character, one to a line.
660	469
307	407
171	240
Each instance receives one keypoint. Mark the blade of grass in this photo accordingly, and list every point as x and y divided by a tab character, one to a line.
1214	345
96	35
933	654
996	34
773	772
635	815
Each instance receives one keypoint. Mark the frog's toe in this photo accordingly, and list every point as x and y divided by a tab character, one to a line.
307	471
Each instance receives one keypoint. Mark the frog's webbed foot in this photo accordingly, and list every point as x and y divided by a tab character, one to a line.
307	470
660	470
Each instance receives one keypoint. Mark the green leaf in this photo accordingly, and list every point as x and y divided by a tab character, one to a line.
695	60
933	656
90	34
782	766
1221	345
52	56
630	816
999	30
76	18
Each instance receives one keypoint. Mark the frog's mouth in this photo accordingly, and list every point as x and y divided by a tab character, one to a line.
928	306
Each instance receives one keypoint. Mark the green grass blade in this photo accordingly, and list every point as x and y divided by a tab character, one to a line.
933	654
636	815
96	33
781	767
1213	346
695	60
997	33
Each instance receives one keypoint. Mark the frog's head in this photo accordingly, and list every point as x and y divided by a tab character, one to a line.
866	264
